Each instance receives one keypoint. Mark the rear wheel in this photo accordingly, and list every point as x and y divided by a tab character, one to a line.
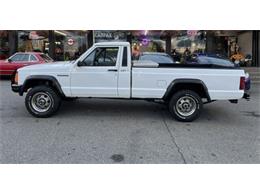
42	101
185	105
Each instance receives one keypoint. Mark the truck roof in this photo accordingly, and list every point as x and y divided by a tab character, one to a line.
118	43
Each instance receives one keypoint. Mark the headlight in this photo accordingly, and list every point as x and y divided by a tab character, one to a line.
16	78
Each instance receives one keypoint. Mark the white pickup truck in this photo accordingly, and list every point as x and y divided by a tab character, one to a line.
107	71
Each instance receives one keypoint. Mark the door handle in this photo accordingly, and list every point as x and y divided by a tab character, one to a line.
112	70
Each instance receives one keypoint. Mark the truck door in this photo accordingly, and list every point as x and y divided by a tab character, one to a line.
124	77
97	74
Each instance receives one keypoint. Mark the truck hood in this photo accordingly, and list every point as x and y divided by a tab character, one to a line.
53	66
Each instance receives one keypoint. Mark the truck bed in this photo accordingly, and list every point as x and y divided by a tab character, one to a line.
222	82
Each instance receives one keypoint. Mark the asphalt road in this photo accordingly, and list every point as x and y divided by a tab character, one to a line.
118	131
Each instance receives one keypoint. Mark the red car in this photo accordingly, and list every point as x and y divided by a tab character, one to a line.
21	59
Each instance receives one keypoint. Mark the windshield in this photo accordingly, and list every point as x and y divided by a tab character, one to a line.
46	58
161	59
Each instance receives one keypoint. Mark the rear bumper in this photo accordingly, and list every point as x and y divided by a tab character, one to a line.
246	96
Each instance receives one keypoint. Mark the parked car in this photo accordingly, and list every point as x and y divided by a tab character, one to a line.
21	59
158	57
106	71
217	59
205	58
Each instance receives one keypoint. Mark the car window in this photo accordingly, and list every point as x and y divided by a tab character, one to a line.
20	57
103	56
161	59
16	57
33	58
215	61
46	58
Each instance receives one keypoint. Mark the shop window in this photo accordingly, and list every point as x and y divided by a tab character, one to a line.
147	41
190	40
69	44
33	41
4	47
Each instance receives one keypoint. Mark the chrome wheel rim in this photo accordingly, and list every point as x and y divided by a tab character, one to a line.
41	101
186	106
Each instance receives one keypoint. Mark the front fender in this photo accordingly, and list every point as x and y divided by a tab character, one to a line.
33	80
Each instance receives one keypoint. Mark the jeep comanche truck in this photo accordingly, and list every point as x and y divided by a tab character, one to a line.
107	71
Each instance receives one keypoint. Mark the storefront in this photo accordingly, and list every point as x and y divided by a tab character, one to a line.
193	40
69	44
236	45
59	44
148	41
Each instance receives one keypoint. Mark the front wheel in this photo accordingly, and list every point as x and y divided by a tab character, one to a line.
42	101
185	105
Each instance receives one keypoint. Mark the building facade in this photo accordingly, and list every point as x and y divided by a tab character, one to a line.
69	44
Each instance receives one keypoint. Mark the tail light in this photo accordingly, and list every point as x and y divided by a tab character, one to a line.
242	84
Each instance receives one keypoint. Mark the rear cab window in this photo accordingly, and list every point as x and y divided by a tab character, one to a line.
124	61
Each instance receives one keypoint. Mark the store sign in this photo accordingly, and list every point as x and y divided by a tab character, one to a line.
104	35
70	41
101	36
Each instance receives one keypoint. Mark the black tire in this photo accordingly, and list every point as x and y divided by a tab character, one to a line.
53	98
187	100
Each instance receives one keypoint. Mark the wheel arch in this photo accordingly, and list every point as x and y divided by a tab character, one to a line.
36	80
195	85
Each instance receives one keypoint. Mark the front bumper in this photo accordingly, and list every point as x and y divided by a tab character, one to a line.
16	88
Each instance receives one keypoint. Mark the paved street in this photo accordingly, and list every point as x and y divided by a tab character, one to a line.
117	131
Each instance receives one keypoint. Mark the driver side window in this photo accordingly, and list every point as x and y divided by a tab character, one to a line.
102	56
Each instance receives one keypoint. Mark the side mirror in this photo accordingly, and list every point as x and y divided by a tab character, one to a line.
9	60
81	63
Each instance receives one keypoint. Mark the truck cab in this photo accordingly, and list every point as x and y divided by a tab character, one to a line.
103	71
